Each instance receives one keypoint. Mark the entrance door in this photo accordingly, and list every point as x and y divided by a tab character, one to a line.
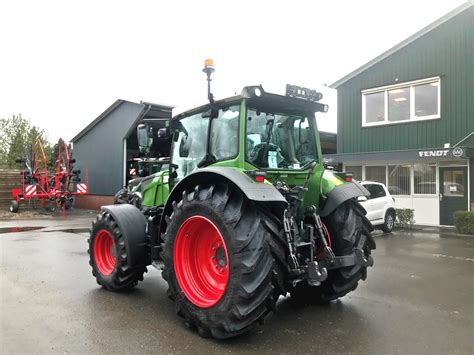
452	193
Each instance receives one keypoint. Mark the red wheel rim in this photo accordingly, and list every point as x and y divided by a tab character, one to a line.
104	252
201	262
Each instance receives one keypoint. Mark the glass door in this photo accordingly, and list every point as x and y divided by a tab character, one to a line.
452	193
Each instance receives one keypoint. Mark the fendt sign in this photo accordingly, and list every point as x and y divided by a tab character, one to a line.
457	152
433	153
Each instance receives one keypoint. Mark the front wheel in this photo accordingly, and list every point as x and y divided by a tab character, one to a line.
389	222
222	259
108	256
349	230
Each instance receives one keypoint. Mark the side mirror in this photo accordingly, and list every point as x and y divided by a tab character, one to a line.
361	199
144	137
185	146
72	161
302	140
19	160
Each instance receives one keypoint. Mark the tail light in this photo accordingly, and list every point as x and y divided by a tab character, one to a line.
257	176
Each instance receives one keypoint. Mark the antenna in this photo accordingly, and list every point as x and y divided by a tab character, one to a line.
209	69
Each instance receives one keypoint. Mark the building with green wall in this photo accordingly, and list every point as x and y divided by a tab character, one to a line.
406	119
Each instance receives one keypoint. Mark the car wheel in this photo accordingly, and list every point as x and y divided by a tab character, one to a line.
389	222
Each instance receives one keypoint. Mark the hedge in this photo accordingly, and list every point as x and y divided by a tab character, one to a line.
405	217
464	221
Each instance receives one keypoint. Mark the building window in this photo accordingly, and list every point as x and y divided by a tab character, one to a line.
453	183
424	179
376	174
355	170
399	104
399	181
427	99
406	102
375	107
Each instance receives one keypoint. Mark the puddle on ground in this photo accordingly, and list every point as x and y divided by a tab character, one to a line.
72	230
18	229
26	229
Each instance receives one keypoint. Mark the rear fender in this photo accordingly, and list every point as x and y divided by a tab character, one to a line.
261	193
132	224
340	194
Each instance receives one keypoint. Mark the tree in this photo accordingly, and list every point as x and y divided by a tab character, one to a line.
18	137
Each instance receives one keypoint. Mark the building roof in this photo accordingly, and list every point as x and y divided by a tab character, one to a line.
153	109
404	43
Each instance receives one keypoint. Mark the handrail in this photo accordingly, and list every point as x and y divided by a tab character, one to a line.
462	140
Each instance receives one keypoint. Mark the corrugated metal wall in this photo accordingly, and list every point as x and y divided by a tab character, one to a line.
100	150
448	52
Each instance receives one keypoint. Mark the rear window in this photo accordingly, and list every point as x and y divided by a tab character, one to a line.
376	191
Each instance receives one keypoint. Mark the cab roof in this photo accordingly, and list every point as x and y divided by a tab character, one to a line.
258	98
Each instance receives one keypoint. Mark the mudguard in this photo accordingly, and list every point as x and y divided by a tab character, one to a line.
342	193
132	224
258	192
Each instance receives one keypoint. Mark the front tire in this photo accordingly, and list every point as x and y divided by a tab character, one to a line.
108	256
222	259
389	222
347	226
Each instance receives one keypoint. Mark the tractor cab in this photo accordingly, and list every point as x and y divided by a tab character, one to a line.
254	130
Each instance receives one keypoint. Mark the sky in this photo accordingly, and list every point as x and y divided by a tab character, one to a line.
62	63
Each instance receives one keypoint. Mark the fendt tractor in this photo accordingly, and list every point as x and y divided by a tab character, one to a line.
246	213
154	152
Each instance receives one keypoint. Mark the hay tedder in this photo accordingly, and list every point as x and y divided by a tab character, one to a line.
54	191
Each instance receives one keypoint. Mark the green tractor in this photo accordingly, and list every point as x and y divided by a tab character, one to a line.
245	214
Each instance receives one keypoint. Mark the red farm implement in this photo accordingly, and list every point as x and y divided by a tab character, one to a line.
54	191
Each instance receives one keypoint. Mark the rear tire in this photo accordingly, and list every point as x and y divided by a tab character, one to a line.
253	255
14	206
108	256
346	225
389	222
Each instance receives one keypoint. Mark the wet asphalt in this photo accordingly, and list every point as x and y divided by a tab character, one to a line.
418	298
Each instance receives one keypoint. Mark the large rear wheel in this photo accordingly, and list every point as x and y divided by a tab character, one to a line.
108	256
222	260
349	230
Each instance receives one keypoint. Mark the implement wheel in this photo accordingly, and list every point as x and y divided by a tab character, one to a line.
346	226
108	256
222	260
14	206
